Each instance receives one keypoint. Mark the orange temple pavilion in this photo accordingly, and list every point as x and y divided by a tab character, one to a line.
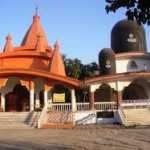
30	71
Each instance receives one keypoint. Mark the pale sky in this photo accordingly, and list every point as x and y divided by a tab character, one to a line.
82	26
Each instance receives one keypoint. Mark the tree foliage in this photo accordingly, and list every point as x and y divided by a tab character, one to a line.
138	10
76	69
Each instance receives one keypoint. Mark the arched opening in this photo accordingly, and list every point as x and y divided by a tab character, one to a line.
104	94
61	94
18	99
132	66
137	90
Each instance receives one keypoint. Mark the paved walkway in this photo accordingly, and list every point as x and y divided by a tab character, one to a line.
81	138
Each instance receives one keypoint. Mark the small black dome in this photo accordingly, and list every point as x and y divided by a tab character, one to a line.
128	36
107	62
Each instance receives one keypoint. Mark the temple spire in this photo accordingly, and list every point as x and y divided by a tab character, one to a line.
57	65
57	45
8	45
40	46
36	10
36	29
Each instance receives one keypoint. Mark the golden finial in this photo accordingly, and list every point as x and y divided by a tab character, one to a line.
36	10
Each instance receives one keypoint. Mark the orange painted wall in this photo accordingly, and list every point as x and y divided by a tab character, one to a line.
24	63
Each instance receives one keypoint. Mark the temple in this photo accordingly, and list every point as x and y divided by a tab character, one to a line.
124	76
34	85
30	71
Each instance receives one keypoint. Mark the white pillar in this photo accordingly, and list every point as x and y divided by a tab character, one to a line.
31	99
3	101
45	99
37	101
73	100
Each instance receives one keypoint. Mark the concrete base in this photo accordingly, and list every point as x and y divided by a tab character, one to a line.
105	120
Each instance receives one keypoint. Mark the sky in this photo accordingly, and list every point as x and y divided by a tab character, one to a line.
82	26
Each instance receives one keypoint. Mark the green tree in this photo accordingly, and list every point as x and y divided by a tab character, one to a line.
138	10
90	70
75	69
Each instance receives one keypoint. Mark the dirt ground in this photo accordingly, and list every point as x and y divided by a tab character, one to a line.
95	137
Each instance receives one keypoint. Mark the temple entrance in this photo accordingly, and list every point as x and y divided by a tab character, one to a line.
137	90
18	99
61	94
104	94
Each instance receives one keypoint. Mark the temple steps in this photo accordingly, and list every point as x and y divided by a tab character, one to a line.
18	120
140	116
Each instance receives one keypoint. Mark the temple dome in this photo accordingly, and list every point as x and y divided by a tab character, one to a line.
107	62
128	36
36	29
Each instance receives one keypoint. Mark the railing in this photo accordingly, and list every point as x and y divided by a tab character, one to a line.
102	106
86	119
83	106
61	107
136	103
105	106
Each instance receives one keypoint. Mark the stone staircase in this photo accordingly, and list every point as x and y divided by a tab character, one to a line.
18	120
136	116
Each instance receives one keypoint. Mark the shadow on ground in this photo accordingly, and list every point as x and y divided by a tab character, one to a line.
32	146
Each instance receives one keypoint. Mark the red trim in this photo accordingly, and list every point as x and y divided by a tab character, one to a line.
131	55
116	77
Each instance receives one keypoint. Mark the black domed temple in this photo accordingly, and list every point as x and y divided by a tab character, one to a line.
124	74
128	36
35	88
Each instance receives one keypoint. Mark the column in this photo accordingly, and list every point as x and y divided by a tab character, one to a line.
73	100
91	98
37	101
47	102
46	98
92	101
31	96
119	98
3	102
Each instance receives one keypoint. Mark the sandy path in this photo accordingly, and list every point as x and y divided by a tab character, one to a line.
110	137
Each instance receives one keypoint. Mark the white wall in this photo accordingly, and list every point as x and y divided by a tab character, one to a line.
105	120
85	117
90	117
123	65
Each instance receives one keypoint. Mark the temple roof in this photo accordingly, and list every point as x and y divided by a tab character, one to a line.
8	45
35	30
57	64
34	58
128	36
